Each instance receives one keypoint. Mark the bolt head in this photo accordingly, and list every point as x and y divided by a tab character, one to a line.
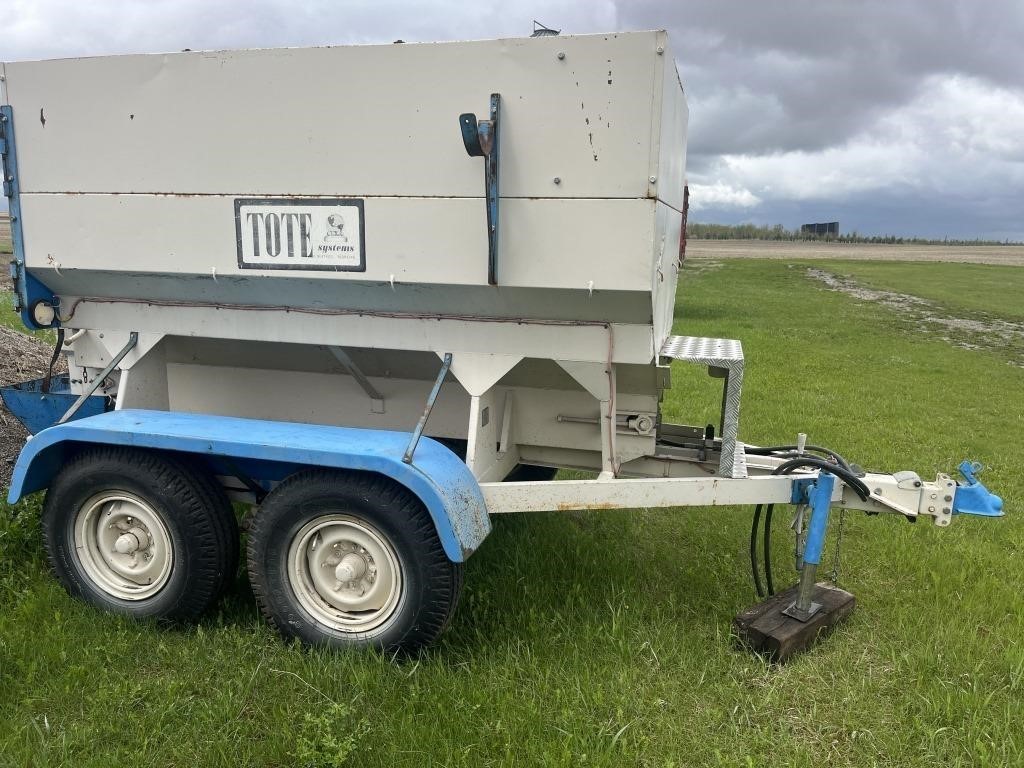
561	55
653	179
557	180
661	50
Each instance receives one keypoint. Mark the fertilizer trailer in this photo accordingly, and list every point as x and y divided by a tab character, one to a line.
377	293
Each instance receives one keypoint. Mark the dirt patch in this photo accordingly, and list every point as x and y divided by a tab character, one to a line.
21	358
1010	255
992	334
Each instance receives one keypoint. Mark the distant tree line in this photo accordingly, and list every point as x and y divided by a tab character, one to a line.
697	231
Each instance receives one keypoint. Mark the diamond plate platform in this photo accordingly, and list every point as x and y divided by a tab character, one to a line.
725	355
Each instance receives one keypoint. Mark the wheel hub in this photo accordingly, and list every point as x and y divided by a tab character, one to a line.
345	573
123	545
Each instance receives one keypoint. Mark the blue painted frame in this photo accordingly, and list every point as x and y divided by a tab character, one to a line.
28	290
37	410
272	450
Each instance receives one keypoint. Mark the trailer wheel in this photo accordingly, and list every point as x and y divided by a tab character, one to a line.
139	533
349	559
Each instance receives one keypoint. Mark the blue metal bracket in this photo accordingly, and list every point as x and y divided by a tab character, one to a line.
481	140
29	293
802	490
974	498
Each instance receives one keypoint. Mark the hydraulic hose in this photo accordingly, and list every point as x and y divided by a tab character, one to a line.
842	471
753	551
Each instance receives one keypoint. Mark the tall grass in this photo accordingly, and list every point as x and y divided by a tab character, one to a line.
604	638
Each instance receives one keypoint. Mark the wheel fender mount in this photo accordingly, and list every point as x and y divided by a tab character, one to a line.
437	476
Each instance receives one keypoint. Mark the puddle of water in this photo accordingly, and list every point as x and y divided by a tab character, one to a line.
992	334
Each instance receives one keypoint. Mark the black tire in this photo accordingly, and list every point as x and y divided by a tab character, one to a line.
430	584
225	524
189	506
523	473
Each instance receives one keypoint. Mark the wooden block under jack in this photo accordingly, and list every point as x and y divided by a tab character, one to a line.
765	629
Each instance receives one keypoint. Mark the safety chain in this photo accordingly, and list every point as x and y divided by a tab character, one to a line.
834	575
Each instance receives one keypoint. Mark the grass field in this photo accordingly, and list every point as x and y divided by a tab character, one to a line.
1010	255
604	638
5	234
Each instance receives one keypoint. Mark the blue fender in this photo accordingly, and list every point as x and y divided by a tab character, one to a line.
271	450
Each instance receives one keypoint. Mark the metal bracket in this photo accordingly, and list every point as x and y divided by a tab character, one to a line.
431	399
481	139
376	398
133	339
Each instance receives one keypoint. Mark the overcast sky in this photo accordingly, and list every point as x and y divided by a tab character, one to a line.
892	116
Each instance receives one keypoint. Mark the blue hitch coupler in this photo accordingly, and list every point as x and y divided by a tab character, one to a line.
973	498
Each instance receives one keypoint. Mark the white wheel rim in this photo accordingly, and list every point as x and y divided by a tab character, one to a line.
345	573
123	545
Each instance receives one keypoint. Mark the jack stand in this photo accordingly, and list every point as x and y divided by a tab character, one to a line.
792	620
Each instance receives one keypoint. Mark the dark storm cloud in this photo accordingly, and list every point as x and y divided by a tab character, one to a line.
807	75
899	117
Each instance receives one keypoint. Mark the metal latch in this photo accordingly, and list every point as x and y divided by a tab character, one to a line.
481	140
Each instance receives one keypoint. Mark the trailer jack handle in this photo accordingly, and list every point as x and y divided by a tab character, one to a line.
817	494
481	140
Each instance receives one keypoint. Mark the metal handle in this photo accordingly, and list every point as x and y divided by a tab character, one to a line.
481	140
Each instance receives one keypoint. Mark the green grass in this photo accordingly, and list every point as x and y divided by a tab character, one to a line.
604	638
976	288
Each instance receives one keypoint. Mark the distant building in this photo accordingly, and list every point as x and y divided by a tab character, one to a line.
824	228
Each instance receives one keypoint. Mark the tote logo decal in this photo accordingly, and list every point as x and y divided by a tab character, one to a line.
300	233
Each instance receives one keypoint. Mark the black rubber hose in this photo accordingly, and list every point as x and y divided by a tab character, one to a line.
48	379
843	474
812	448
753	551
769	583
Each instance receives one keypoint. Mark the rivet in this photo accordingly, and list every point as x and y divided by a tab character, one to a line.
653	179
661	50
561	55
557	180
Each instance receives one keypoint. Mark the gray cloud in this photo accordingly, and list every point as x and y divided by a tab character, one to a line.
903	115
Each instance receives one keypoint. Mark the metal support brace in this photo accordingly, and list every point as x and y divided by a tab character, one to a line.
376	398
819	497
481	140
133	339
431	399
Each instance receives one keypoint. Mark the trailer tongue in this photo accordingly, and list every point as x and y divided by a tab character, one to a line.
377	317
